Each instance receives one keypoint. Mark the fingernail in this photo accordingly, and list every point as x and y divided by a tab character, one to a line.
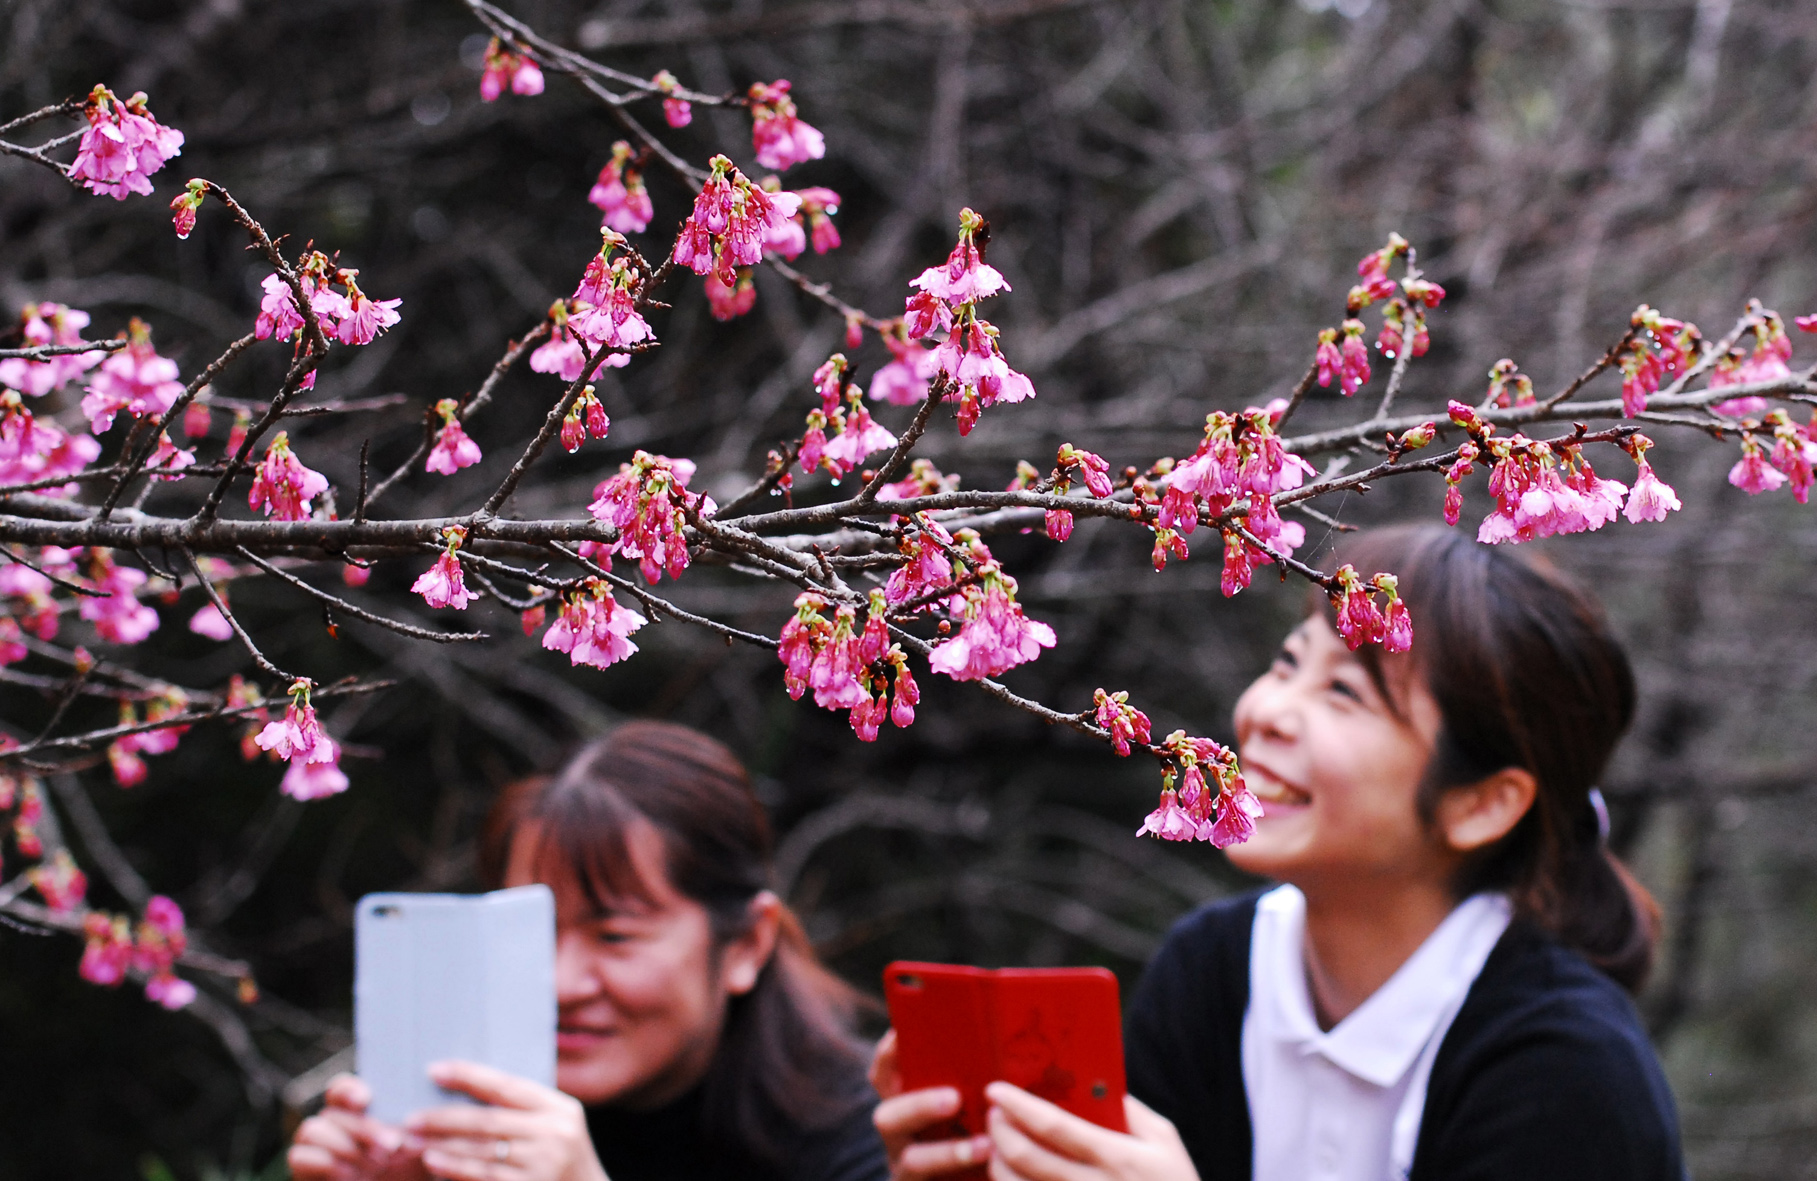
390	1139
440	1070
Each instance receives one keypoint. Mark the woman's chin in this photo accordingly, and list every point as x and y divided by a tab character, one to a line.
1273	848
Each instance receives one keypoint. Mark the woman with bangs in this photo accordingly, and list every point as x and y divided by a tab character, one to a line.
1439	987
698	1037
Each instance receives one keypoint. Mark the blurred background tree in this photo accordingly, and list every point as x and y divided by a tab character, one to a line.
1178	191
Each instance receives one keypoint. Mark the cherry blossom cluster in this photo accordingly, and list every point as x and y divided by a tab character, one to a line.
511	68
856	434
1659	349
947	301
648	502
34	449
352	318
282	488
123	145
1360	621
1768	360
1240	463
48	324
592	628
1190	809
603	309
1542	489
314	757
1793	453
443	584
453	449
113	949
1403	318
732	220
620	194
135	380
779	138
124	754
847	666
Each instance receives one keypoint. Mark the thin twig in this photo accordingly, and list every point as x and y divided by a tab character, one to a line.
417	633
134	462
214	596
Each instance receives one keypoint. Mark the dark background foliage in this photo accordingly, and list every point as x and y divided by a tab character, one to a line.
1178	190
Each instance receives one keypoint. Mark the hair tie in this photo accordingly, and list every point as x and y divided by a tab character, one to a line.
1601	807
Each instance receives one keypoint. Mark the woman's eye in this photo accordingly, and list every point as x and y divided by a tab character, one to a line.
613	937
1347	690
1286	660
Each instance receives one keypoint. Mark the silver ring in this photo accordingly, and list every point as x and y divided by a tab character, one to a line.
501	1151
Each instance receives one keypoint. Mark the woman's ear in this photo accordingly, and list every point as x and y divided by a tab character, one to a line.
744	958
1484	812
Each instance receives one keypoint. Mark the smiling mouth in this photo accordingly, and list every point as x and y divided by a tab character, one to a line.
1266	787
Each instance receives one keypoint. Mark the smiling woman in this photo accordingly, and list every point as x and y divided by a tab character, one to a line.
697	1036
1436	988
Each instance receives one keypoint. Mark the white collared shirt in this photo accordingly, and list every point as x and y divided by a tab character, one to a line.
1345	1105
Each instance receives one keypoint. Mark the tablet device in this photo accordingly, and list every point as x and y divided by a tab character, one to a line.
440	976
1054	1032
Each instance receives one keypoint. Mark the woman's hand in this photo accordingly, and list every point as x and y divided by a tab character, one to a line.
902	1115
343	1143
1032	1140
527	1132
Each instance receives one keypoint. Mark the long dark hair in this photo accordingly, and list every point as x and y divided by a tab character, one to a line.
1526	673
787	1058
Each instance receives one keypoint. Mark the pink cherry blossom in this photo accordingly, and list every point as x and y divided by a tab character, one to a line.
778	137
964	277
1397	635
1237	813
299	736
605	312
12	651
282	487
867	717
729	303
108	951
1125	722
996	635
120	617
278	314
504	68
1328	360
363	319
928	566
647	502
442	585
167	459
859	436
135	379
1058	523
453	450
834	671
54	324
731	220
1651	498
620	193
1168	821
593	629
59	882
903	380
1373	271
906	694
34	448
1753	474
211	623
122	146
678	112
1354	373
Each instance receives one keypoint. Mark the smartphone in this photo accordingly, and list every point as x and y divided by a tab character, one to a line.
1054	1032
440	976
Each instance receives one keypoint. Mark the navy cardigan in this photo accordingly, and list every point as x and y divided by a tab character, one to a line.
1545	1073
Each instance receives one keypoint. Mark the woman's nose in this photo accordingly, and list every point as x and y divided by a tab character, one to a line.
575	977
1269	709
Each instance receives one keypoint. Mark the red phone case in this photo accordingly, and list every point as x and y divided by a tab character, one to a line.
1054	1032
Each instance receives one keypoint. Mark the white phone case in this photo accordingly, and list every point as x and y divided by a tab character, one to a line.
440	976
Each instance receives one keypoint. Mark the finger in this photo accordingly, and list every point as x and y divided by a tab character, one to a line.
459	1119
1052	1126
905	1115
332	1136
491	1086
942	1156
310	1163
1147	1124
886	1079
348	1092
1017	1156
462	1167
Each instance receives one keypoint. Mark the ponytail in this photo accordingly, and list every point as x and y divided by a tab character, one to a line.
1526	673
